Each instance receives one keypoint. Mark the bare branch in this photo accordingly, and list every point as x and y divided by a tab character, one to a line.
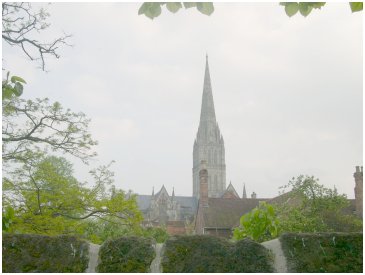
20	23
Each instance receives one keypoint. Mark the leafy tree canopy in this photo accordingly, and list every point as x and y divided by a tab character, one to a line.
307	207
47	199
311	207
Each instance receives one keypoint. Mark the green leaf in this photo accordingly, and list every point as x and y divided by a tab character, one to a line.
189	5
151	10
17	79
154	10
317	5
173	6
143	8
356	6
18	89
10	212
291	8
206	8
305	8
7	92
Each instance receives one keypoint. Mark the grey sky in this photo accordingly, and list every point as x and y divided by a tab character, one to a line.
287	91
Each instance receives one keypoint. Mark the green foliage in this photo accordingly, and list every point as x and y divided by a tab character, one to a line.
189	254
153	9
7	218
159	234
173	6
249	257
260	224
98	231
47	199
308	207
311	207
11	88
305	8
356	6
323	252
129	254
35	253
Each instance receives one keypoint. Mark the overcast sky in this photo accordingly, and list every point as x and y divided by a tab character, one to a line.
287	91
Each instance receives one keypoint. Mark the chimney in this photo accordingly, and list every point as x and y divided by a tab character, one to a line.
358	190
253	195
203	177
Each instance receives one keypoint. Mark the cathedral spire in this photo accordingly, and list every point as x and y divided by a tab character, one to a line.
244	195
209	145
207	110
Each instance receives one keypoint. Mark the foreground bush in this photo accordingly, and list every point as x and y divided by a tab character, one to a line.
323	252
212	254
127	254
36	253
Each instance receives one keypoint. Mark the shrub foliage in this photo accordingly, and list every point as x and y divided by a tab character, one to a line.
260	224
212	254
126	254
37	253
323	252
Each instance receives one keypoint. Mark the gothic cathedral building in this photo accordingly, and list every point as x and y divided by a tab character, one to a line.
213	208
209	145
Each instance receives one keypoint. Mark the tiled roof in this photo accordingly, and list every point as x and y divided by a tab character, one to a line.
226	213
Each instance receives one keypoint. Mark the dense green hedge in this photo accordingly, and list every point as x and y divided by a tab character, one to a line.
212	254
36	253
127	254
323	252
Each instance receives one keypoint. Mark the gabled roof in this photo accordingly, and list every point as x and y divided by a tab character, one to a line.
162	191
230	191
226	213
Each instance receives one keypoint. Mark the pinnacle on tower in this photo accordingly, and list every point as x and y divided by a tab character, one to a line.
244	194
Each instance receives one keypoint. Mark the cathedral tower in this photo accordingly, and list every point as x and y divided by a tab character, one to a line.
209	145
